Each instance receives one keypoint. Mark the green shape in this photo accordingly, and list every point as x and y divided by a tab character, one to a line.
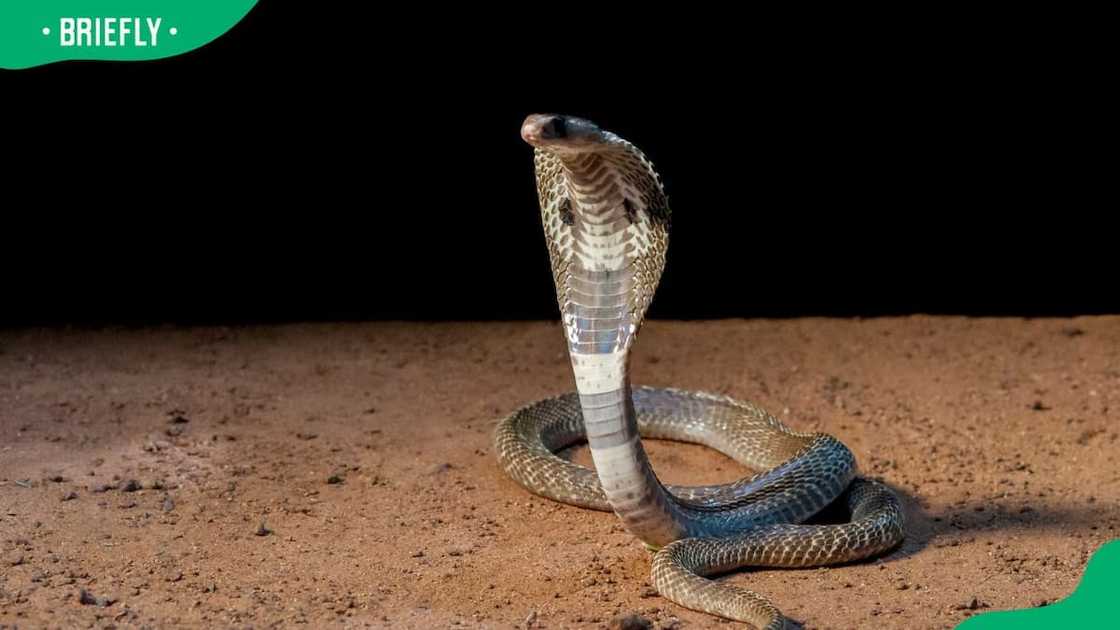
1093	604
23	43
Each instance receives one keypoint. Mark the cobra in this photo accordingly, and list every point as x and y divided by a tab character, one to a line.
606	220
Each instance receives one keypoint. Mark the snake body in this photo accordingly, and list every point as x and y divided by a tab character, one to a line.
606	220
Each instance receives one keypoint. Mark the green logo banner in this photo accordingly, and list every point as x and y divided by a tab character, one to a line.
1092	605
37	32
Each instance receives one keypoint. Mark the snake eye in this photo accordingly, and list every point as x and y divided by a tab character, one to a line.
554	129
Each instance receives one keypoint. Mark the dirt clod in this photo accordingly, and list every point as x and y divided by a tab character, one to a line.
630	622
86	598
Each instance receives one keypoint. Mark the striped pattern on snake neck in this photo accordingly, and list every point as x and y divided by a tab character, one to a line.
606	221
602	239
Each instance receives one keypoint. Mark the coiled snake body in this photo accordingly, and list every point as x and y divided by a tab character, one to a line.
606	221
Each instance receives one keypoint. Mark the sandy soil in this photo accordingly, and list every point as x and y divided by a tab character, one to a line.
341	475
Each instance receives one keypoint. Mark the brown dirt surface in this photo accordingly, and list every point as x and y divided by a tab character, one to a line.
341	475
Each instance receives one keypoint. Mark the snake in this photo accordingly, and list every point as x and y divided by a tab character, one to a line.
606	221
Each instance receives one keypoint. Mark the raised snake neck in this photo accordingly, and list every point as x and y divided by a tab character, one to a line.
606	221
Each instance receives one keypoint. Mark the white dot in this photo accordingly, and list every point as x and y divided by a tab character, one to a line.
46	30
174	31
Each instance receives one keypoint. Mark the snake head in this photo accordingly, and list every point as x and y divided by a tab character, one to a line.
562	134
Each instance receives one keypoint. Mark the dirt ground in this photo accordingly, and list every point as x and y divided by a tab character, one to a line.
342	476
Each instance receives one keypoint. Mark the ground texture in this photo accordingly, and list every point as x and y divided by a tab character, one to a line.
342	476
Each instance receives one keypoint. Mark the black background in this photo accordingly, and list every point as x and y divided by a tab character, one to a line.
374	170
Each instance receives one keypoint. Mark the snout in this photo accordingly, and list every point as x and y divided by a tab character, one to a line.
540	128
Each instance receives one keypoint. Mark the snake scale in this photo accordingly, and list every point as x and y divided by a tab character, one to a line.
606	221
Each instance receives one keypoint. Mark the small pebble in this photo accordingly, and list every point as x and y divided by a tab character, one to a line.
70	496
974	604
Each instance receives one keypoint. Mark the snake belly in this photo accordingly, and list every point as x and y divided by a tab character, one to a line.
606	223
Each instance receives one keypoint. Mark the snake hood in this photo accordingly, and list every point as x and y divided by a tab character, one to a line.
606	220
606	223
